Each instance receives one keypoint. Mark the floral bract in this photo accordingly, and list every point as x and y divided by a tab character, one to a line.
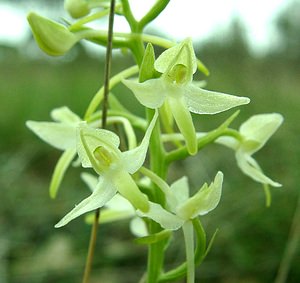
176	89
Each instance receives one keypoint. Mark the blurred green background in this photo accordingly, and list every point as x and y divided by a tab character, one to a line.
251	240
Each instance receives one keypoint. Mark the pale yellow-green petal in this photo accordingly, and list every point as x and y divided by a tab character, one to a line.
60	169
133	159
59	135
250	167
104	191
258	129
129	190
166	219
202	101
151	93
184	122
180	54
205	200
180	189
64	114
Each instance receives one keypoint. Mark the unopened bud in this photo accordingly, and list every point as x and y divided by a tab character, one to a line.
53	38
77	8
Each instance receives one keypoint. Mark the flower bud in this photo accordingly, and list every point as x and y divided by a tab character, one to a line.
53	38
77	8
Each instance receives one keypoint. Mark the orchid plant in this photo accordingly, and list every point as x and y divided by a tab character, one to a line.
126	184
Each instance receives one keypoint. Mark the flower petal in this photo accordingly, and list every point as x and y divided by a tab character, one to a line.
184	122
133	159
250	167
118	208
129	189
90	180
258	129
59	135
202	101
180	188
104	191
138	227
60	169
64	114
163	217
180	54
228	141
150	93
205	200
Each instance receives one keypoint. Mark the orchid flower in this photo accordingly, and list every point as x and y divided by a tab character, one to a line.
184	209
98	149
254	133
176	91
60	134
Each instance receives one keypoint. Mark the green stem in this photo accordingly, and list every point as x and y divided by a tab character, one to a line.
88	19
108	63
156	150
157	8
129	16
92	245
158	166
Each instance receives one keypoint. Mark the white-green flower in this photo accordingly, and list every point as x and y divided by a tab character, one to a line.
62	135
175	90
98	149
254	133
183	209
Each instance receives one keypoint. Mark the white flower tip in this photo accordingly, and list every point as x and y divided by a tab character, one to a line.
29	124
219	177
246	100
59	224
276	185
